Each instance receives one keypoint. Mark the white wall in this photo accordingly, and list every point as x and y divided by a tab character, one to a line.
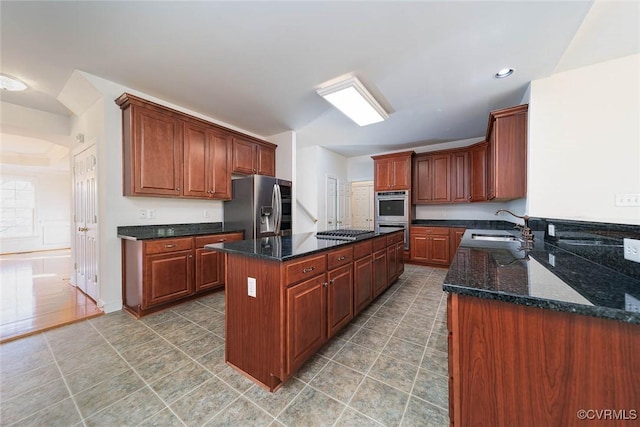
584	142
52	210
307	192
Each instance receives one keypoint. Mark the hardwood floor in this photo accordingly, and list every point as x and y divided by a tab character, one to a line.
35	294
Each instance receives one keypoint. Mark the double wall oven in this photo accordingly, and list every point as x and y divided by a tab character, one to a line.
392	211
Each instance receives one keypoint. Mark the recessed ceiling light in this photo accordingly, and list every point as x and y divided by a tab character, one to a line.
11	83
354	100
505	72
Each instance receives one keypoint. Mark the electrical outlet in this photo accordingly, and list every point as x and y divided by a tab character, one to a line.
552	260
552	230
631	304
142	213
206	213
251	286
628	199
151	213
632	250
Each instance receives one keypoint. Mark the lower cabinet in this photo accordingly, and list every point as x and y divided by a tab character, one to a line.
434	245
159	272
339	298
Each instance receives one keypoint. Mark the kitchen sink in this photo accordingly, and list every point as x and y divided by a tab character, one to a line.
494	237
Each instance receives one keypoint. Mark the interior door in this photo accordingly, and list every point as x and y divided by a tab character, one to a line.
332	203
362	205
344	204
85	196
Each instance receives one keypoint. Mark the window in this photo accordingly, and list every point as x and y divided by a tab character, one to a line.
17	206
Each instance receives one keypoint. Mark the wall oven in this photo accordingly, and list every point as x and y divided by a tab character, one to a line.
392	206
392	212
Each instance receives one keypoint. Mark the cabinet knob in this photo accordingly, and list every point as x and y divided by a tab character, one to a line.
178	189
306	270
190	256
342	258
332	281
324	284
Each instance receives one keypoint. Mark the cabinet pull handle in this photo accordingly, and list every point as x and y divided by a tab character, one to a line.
222	240
306	270
170	246
342	258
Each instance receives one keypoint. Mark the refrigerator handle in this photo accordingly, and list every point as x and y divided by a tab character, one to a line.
277	209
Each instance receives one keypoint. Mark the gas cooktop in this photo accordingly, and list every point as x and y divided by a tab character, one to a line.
344	234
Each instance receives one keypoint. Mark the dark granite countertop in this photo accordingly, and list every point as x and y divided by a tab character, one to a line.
464	223
285	248
545	276
147	232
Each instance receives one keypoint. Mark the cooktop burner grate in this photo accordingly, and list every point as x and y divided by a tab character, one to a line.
343	234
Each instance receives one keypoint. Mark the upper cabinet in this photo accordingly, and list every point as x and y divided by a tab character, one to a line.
250	157
507	153
167	153
478	172
152	150
392	171
432	178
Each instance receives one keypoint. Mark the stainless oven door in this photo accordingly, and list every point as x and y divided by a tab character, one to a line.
392	208
395	226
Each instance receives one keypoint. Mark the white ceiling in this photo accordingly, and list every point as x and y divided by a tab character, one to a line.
255	65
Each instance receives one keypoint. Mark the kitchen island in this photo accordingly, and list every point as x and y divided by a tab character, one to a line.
286	296
540	336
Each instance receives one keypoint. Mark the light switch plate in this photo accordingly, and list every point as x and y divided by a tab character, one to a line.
628	199
251	286
552	230
632	250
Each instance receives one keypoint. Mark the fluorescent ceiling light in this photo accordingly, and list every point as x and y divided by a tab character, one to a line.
353	99
11	83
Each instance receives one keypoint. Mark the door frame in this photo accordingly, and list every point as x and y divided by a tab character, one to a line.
326	199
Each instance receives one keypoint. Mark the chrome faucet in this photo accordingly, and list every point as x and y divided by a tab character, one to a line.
525	231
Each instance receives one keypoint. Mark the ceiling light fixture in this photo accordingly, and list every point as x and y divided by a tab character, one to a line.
505	72
11	83
354	100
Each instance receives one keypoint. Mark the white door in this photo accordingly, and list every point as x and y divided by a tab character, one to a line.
362	205
344	204
85	196
332	203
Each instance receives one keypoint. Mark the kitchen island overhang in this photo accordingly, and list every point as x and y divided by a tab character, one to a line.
286	296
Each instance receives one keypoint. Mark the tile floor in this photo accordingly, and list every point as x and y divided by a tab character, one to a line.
388	367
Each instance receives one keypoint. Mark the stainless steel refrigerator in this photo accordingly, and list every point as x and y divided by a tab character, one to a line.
260	205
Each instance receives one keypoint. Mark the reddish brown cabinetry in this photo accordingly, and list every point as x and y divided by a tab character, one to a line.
298	304
478	172
392	171
434	245
507	153
432	179
511	365
206	163
157	273
251	157
460	176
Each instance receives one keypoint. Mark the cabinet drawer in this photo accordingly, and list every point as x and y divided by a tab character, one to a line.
168	245
217	238
305	268
362	249
428	231
394	238
379	243
339	257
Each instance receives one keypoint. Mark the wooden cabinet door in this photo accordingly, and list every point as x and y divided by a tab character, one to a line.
157	153
419	249
380	280
478	172
399	258
439	249
306	323
209	269
491	166
219	161
401	174
383	172
392	264
243	156
339	298
266	160
455	237
196	155
440	178
362	282
168	276
460	177
422	188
